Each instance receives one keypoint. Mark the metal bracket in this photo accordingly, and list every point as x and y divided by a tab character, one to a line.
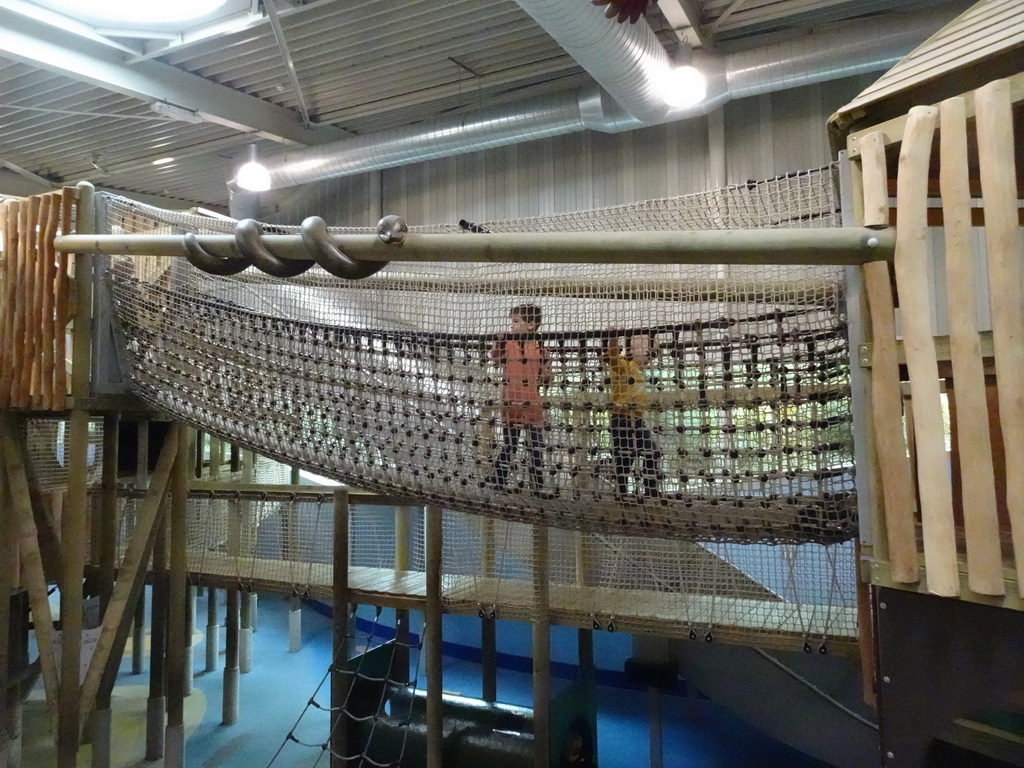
865	353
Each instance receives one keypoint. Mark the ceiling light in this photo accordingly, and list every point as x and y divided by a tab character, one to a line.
135	12
163	161
684	87
254	177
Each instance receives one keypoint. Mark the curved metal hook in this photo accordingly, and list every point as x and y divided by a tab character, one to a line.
202	259
318	242
247	236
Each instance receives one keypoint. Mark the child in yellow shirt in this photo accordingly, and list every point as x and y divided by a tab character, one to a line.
631	437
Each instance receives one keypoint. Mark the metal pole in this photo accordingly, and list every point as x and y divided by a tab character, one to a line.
141	475
400	660
846	245
432	638
340	682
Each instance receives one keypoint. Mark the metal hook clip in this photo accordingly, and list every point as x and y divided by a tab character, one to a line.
248	238
318	242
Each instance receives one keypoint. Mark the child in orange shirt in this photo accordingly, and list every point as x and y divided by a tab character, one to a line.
525	366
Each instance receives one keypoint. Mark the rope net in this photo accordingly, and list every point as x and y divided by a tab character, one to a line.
701	403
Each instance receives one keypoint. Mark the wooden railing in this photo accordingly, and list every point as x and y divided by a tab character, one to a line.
917	522
35	286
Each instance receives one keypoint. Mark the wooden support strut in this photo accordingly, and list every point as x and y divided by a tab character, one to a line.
432	639
340	682
130	580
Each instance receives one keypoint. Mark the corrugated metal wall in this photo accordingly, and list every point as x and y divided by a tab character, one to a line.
765	136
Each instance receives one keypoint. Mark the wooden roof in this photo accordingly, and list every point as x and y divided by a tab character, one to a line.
983	43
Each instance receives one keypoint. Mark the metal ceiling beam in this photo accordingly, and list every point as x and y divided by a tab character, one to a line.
43	47
686	15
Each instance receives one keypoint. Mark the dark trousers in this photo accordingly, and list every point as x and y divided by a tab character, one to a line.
631	439
510	443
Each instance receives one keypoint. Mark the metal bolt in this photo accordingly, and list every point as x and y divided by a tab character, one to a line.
872	242
890	755
885	679
882	606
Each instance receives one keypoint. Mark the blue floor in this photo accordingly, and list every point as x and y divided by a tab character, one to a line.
696	732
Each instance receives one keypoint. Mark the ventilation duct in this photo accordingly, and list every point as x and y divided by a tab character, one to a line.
833	52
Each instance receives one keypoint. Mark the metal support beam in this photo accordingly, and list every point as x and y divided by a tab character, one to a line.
39	45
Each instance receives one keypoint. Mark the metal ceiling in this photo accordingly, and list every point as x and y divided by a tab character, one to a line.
75	101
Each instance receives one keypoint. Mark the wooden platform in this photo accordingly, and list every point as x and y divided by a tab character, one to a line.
765	623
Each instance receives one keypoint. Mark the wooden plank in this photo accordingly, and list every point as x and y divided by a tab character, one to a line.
887	410
32	575
1002	241
130	580
178	583
981	521
911	264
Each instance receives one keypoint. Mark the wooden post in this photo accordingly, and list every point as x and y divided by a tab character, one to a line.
108	510
488	626
212	630
887	402
541	649
919	346
8	582
229	708
245	633
432	638
174	756
1002	243
156	705
340	682
73	520
981	521
141	478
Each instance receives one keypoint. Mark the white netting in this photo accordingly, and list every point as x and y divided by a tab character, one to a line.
415	380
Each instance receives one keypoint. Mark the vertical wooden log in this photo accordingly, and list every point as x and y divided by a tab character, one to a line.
340	682
432	637
62	313
911	262
229	708
9	211
178	609
541	649
887	412
488	659
34	298
53	202
994	110
981	521
23	361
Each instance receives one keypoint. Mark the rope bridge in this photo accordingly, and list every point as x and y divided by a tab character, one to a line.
698	402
